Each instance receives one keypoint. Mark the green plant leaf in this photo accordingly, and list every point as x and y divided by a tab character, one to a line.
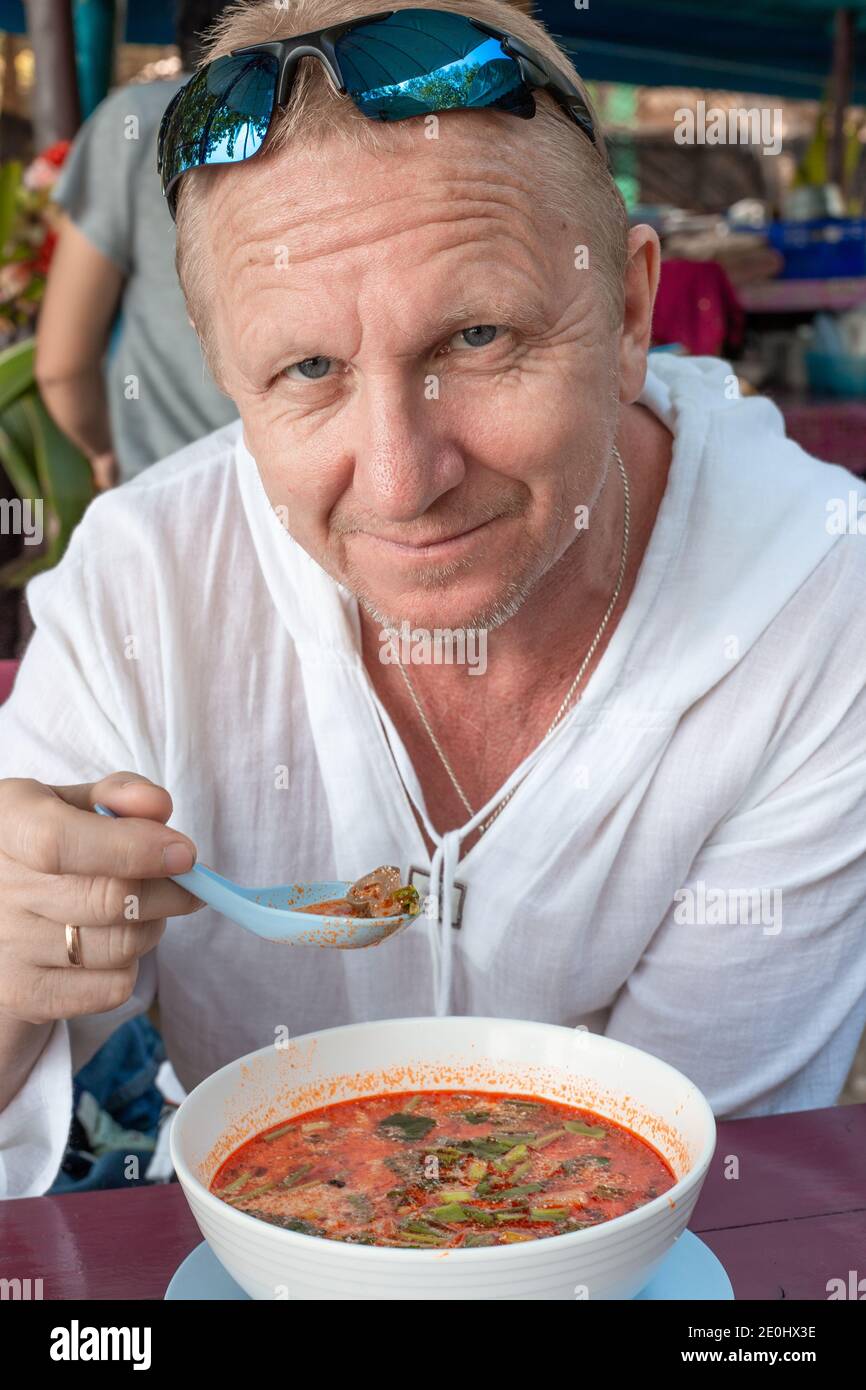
17	457
17	449
41	463
63	472
16	371
22	569
10	182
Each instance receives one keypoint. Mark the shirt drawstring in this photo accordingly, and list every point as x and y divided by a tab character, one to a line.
443	871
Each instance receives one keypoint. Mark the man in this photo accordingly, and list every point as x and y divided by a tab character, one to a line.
436	332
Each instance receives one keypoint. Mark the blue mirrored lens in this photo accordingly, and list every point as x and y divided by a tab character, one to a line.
418	61
220	117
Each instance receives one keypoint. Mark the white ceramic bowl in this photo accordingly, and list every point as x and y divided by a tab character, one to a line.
613	1260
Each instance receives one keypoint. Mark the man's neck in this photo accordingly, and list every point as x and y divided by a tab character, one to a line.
488	726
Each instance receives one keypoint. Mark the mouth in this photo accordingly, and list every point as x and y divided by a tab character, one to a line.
433	547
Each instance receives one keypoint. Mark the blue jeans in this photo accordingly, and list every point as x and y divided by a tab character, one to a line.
116	1111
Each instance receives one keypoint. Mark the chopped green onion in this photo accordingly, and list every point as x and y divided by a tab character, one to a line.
420	1228
291	1178
592	1131
412	1238
544	1139
237	1184
514	1155
254	1191
451	1211
574	1165
509	1192
277	1133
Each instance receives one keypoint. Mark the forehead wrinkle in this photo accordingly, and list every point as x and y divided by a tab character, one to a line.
242	255
527	308
369	194
411	162
252	267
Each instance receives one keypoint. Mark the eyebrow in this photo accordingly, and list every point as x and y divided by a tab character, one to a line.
525	315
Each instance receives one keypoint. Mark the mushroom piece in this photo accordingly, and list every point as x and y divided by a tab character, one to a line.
383	895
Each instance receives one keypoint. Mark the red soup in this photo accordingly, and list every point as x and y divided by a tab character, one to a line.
442	1168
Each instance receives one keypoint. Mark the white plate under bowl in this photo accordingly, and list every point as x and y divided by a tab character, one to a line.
613	1260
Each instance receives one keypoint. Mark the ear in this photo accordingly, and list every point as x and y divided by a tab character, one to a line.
641	283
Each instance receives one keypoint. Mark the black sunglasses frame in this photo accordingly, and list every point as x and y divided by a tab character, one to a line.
536	71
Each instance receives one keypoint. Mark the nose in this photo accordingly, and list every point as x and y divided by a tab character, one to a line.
404	457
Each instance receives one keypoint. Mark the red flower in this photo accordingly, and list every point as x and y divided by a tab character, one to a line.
56	153
42	259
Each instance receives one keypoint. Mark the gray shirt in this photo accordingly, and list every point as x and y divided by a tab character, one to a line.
160	393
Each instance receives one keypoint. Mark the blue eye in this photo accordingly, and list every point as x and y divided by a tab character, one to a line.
478	336
311	368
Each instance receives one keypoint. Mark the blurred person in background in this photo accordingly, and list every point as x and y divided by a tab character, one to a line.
127	398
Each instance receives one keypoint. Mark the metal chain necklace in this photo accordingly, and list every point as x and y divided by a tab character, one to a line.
575	683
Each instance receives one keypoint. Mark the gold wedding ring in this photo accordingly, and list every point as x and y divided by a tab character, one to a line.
73	945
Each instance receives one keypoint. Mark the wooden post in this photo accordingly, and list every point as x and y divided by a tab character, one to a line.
843	60
56	112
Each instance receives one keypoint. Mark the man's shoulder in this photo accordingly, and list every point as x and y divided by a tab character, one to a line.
758	493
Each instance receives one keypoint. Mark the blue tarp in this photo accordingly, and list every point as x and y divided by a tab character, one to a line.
147	21
781	47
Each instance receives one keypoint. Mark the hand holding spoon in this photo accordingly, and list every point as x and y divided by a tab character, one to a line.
308	914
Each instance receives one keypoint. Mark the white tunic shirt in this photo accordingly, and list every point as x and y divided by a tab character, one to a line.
719	749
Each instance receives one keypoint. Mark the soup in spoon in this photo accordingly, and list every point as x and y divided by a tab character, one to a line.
378	894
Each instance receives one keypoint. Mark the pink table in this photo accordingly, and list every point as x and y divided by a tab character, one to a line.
793	1219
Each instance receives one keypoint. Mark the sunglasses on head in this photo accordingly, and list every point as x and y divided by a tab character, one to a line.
393	64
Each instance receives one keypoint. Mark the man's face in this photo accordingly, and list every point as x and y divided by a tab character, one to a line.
426	380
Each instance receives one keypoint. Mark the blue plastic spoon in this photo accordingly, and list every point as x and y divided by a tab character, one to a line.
272	912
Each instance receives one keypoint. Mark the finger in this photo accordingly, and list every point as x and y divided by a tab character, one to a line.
127	793
101	948
39	995
104	902
40	829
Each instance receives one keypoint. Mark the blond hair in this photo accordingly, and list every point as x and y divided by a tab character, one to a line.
572	174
